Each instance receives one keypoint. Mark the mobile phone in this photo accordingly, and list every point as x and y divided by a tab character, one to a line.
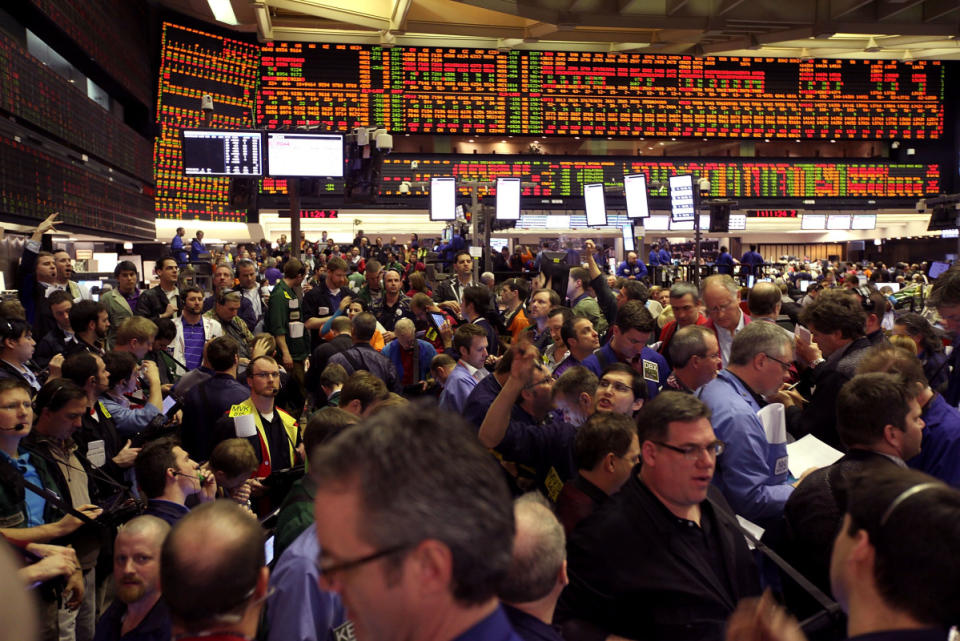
438	320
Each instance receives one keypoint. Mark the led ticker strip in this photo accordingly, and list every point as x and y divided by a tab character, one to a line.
564	177
477	91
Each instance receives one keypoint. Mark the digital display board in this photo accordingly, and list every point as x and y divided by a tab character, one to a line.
443	199
508	199
555	177
656	223
222	153
813	221
687	225
737	222
486	91
682	206
311	155
193	63
595	205
635	192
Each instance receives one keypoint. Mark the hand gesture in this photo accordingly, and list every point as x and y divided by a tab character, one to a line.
261	347
241	493
762	620
208	484
807	352
446	333
524	360
345	303
48	223
73	592
171	311
589	247
151	373
55	366
127	455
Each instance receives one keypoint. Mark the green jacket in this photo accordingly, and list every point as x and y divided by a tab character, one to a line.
589	308
282	313
13	506
118	309
296	514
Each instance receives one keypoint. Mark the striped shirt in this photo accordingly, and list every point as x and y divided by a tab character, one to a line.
193	340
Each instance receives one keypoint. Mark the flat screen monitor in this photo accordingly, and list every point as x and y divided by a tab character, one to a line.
595	205
656	223
629	238
446	234
681	197
213	152
738	222
557	221
838	221
310	155
443	198
950	233
635	191
864	221
803	284
508	199
937	267
813	221
943	217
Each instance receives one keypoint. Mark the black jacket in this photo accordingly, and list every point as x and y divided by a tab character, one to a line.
819	416
362	356
632	575
153	302
319	359
54	342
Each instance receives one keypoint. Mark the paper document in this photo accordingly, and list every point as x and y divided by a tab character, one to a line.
752	528
810	452
774	419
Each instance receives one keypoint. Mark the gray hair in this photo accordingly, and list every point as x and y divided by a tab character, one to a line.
404	325
226	267
722	280
688	342
400	464
246	262
681	289
758	338
539	550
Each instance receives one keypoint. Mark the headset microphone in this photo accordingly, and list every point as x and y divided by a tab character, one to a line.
19	427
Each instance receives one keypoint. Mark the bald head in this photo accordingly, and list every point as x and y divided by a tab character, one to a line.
539	552
146	526
211	564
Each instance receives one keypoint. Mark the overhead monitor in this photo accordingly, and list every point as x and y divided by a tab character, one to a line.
950	233
508	199
629	238
943	217
687	225
738	222
308	155
443	198
813	221
864	221
682	206
656	223
635	190
557	221
213	152
838	221
499	243
937	268
595	205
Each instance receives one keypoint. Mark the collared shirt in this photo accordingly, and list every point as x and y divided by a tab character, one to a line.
26	374
564	365
725	339
35	504
297	607
478	373
132	298
167	510
458	387
193	340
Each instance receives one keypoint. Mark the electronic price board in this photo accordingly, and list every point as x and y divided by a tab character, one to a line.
629	238
813	221
737	222
838	221
304	155
433	90
595	205
864	221
443	199
563	177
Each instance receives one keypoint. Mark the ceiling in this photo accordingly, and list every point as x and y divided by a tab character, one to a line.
870	29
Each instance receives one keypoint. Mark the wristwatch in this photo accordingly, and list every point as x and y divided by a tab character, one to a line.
815	363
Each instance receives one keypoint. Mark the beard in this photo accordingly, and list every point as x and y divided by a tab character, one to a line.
131	592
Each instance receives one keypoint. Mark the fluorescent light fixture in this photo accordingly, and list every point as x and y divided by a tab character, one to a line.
223	11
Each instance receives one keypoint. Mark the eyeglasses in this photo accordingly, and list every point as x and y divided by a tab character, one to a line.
531	385
785	366
721	308
330	569
694	452
616	385
266	375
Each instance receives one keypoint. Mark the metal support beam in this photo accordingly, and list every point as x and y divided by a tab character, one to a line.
840	8
936	9
888	8
674	5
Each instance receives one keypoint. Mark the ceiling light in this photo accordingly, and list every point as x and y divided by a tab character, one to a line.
907	56
223	11
872	46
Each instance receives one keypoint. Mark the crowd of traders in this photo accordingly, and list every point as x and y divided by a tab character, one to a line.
545	457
